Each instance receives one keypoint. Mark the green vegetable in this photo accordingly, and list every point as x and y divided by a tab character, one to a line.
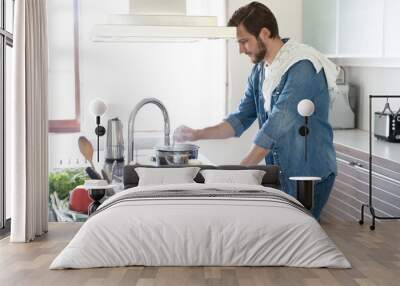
62	182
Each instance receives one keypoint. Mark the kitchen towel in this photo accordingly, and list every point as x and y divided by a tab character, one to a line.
291	53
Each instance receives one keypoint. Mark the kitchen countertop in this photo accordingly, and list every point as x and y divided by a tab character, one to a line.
358	139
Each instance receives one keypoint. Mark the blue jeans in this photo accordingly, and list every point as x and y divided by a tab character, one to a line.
322	191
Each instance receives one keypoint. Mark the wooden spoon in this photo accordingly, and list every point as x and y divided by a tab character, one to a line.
86	149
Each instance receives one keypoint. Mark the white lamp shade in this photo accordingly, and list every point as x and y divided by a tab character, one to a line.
97	107
305	107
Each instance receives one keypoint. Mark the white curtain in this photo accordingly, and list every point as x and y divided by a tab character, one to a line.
28	123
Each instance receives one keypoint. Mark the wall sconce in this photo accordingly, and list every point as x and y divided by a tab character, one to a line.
98	108
305	108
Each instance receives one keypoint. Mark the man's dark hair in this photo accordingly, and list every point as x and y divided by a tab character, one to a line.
254	17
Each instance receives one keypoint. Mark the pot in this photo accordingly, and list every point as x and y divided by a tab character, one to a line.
177	154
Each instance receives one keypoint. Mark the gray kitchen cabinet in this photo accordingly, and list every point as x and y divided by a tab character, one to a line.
319	25
342	203
392	25
351	187
358	29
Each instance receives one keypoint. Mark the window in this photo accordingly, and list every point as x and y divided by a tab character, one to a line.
64	86
6	43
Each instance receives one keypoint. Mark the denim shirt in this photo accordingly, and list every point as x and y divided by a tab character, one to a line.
279	128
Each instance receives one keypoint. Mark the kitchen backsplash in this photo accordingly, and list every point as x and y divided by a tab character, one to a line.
374	80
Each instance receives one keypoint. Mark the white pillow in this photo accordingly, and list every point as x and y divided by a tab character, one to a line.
248	177
163	176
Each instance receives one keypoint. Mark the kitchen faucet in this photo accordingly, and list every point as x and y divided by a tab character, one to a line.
131	124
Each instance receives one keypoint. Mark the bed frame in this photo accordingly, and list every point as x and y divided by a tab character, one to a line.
270	179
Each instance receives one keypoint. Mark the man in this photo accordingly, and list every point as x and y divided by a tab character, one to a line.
284	73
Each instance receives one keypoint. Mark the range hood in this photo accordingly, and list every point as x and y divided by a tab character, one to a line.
159	20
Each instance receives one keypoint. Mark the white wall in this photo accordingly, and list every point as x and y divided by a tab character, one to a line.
289	14
374	80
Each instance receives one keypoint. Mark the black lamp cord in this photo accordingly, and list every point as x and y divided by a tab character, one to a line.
303	130
305	138
100	131
98	137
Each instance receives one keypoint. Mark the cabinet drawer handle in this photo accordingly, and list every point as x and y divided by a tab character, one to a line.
358	164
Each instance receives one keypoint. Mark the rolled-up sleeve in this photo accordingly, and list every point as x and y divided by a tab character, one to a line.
299	85
246	113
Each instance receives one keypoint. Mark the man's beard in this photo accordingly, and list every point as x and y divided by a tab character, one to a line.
262	50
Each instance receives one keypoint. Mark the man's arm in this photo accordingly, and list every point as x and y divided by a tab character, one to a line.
222	130
255	155
232	126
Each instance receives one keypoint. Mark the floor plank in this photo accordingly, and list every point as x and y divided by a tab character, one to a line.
375	257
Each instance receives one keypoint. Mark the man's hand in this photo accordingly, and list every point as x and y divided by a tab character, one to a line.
184	133
255	155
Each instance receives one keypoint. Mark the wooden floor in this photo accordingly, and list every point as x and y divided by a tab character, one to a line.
375	257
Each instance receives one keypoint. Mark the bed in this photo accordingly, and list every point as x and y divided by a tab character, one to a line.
198	224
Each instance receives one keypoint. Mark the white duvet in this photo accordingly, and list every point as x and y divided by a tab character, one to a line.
200	231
